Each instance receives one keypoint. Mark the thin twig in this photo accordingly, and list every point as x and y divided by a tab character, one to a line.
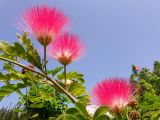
45	60
65	75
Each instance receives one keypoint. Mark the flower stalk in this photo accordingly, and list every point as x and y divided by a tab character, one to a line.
45	60
65	77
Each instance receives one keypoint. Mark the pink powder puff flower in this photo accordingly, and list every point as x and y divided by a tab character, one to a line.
66	48
43	22
114	93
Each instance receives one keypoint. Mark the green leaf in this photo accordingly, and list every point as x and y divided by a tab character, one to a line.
75	76
28	52
55	71
20	50
18	110
32	55
100	111
21	85
77	92
1	97
4	93
155	115
10	50
81	117
9	87
52	118
35	115
3	46
6	90
84	99
76	113
82	109
72	111
67	117
80	93
102	117
40	105
152	115
16	50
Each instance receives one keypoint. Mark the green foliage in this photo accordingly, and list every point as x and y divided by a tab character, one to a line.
77	113
42	101
148	91
77	81
26	52
75	76
17	52
80	113
150	107
22	80
100	112
55	71
10	114
31	54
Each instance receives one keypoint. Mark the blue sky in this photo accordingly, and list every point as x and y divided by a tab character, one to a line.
117	34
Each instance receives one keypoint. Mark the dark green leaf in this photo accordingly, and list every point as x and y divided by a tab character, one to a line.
72	111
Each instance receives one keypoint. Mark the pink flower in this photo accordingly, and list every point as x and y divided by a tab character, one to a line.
43	22
137	68
114	93
66	48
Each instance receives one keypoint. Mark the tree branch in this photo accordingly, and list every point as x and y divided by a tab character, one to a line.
72	98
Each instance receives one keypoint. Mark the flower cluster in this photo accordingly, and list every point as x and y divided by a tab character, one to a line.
46	24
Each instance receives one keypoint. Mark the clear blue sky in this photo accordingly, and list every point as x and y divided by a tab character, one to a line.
117	34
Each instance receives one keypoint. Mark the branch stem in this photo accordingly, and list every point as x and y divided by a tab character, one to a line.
71	97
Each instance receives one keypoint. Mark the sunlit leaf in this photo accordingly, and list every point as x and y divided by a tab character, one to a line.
54	71
100	111
32	55
102	117
67	117
82	109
